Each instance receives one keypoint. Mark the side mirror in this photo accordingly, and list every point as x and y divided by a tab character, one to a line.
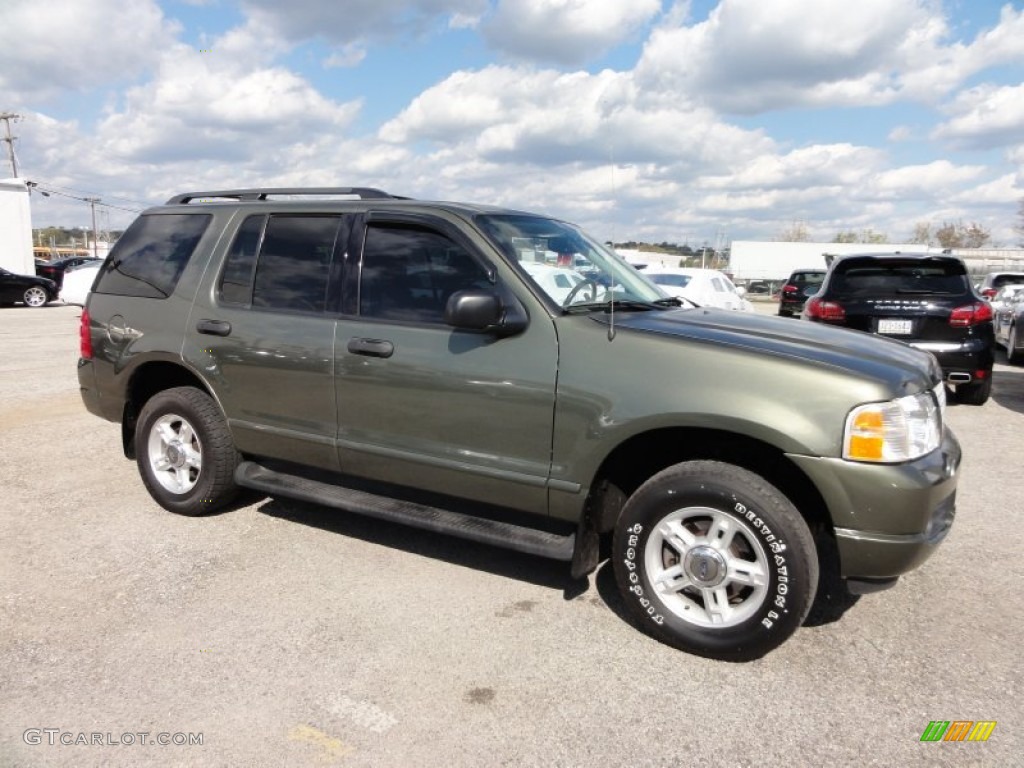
741	291
476	309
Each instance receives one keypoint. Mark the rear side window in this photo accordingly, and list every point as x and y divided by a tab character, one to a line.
878	278
294	264
151	255
236	280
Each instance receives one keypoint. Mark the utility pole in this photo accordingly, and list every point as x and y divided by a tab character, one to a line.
95	236
7	117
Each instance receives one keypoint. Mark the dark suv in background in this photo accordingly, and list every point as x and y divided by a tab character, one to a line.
925	300
800	286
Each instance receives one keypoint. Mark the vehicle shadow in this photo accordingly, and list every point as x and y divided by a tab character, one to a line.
531	569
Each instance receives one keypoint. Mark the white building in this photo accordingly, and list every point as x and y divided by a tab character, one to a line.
15	228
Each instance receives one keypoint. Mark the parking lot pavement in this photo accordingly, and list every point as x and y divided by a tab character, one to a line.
284	634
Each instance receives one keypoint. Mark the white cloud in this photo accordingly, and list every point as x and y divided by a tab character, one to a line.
565	31
985	117
1007	189
930	180
347	56
750	56
548	118
49	47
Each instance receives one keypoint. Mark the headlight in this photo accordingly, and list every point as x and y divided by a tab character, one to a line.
896	431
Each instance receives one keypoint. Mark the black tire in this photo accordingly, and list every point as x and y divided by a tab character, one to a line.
976	393
734	602
185	453
1013	356
785	313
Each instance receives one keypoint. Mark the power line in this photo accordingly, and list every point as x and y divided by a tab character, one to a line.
46	191
51	186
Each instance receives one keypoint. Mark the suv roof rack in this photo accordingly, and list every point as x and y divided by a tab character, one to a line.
261	194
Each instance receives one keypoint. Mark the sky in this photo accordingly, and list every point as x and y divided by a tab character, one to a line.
693	122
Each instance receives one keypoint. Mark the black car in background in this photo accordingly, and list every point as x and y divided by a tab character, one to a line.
30	290
925	300
54	270
800	286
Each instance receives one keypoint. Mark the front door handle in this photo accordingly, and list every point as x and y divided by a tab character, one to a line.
371	347
214	327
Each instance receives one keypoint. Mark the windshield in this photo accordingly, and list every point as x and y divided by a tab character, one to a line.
572	268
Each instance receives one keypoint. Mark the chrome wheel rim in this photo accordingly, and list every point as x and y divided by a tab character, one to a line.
709	568
175	453
35	296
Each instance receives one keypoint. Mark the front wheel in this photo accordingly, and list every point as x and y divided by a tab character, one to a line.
185	453
712	559
35	296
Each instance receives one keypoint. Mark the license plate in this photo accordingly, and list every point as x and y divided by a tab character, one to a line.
895	327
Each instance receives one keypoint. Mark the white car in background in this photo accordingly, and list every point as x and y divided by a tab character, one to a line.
78	282
704	287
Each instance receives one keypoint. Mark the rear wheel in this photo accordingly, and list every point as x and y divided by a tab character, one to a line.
35	296
185	453
712	559
976	393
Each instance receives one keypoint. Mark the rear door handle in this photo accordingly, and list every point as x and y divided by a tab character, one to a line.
214	327
371	347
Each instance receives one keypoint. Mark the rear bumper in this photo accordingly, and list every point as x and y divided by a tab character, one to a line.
958	359
888	519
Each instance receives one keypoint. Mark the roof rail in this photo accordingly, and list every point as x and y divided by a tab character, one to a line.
261	194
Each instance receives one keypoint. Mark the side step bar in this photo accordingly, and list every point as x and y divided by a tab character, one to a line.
507	535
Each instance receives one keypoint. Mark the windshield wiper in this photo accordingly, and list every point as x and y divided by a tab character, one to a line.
620	304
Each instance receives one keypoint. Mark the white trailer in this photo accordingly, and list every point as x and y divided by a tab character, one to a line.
15	228
774	261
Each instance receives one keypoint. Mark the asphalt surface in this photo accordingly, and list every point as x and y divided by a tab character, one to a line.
285	634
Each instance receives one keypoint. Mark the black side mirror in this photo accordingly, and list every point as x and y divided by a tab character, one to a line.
476	309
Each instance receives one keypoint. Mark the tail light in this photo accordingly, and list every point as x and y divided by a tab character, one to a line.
825	311
988	293
84	337
788	288
971	314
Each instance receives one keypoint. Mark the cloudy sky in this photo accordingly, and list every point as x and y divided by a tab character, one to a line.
640	119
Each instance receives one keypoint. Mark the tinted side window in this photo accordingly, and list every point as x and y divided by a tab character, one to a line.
408	273
236	280
151	255
294	262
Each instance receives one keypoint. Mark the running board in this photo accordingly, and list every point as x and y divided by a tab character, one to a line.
499	534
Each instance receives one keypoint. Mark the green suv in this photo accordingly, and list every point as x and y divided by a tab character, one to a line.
503	377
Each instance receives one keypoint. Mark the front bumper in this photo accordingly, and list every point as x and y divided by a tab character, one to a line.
888	518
